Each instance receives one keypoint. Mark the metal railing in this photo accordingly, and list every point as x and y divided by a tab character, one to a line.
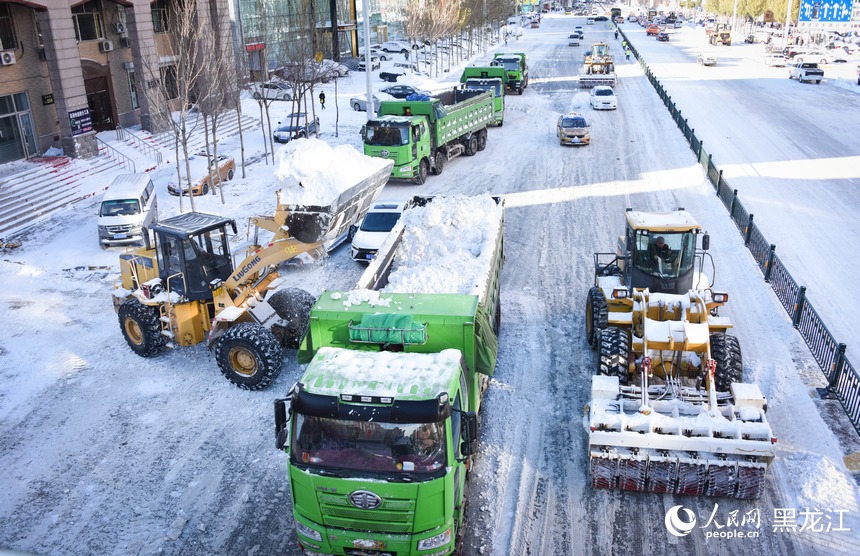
110	152
151	152
843	380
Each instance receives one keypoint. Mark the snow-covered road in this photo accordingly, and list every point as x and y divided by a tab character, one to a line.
108	453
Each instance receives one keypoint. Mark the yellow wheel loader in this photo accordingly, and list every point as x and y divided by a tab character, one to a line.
186	288
598	67
669	412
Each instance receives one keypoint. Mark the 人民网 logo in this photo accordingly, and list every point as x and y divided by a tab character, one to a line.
678	526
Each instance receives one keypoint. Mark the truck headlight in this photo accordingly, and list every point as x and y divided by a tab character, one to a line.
306	531
435	541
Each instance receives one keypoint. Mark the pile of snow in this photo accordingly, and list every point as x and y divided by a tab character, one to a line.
313	173
447	246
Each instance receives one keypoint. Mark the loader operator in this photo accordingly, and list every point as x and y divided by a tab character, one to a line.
660	253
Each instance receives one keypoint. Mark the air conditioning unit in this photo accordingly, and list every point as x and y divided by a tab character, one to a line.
119	28
124	42
105	46
7	58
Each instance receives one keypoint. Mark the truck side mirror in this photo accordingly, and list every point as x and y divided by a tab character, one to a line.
706	242
282	422
469	433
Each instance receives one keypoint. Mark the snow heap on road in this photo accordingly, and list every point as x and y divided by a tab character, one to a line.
313	173
447	246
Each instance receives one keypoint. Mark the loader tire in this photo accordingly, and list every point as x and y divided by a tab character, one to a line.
614	347
141	328
293	306
250	356
726	351
596	316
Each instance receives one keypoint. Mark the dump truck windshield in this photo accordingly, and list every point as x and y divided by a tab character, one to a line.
386	136
390	449
484	86
665	254
510	64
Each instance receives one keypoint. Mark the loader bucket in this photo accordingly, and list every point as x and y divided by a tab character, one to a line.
312	223
593	80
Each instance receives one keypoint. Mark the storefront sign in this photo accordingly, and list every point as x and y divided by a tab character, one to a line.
80	121
47	99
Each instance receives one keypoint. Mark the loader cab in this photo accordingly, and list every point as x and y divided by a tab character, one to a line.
192	251
661	250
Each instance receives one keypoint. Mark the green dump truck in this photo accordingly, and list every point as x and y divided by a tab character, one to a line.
381	430
495	86
420	136
516	66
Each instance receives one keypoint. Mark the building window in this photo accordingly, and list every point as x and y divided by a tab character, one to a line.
168	80
132	90
159	16
88	21
7	30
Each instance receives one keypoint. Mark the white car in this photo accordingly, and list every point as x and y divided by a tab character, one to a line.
706	60
330	69
603	98
359	102
272	90
374	63
374	228
395	46
775	59
573	40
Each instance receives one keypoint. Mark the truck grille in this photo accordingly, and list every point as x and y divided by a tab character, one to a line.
121	229
392	516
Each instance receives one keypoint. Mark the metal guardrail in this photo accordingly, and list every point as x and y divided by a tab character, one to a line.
123	134
110	152
843	379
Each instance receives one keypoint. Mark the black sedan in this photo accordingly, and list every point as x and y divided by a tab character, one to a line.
403	91
295	126
601	18
662	36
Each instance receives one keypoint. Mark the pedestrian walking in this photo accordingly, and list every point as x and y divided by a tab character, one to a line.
627	53
624	44
322	100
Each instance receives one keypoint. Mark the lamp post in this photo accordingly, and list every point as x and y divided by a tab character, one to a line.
787	21
368	65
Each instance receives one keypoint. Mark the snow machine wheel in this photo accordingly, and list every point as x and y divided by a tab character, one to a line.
614	347
140	327
726	351
439	163
482	139
249	356
230	174
472	146
205	189
356	106
422	172
293	306
596	316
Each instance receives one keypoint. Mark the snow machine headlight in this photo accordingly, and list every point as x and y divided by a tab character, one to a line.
306	531
721	297
435	541
619	293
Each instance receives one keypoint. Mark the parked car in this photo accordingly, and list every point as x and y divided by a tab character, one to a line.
271	90
399	69
374	63
403	91
603	98
223	169
359	101
381	54
663	36
806	71
706	60
395	46
775	59
374	228
573	129
330	69
294	126
652	30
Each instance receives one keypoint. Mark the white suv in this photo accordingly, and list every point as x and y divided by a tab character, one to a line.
273	90
395	46
371	234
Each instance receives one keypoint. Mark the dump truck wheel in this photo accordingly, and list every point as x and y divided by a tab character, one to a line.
249	356
140	327
596	316
422	172
293	306
482	139
726	351
614	346
439	163
472	146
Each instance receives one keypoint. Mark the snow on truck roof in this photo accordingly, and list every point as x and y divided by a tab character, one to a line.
447	246
402	376
313	173
661	221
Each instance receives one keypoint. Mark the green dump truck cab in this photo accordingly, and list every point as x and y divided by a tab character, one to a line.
421	136
495	86
516	66
381	430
